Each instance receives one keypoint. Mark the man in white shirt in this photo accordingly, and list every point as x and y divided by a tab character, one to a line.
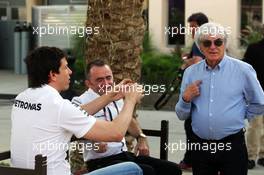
43	122
100	81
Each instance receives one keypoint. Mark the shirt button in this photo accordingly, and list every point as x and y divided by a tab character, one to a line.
210	114
212	100
212	87
213	73
211	128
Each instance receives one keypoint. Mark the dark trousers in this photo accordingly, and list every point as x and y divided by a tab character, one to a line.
189	134
149	165
230	157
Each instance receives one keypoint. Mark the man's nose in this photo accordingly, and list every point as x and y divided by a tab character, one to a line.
70	71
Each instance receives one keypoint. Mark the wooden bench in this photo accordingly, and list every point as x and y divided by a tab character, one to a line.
40	166
163	133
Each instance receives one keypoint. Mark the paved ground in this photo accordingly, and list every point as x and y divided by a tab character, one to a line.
149	120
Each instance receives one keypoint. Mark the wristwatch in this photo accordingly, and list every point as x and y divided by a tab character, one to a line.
141	135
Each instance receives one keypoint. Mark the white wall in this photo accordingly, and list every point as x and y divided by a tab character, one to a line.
262	11
158	19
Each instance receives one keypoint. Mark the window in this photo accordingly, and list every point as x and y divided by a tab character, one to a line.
3	13
250	10
14	14
176	19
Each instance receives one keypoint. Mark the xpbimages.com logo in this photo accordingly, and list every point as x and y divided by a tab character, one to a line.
210	147
172	31
56	146
80	31
147	89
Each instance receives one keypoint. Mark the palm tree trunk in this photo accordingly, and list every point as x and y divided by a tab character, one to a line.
121	32
119	43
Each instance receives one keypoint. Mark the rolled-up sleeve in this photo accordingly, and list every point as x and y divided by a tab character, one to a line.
182	108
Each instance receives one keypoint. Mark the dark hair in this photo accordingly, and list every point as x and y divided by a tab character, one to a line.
199	17
40	62
97	62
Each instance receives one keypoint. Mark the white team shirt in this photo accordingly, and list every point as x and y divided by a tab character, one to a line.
43	123
113	148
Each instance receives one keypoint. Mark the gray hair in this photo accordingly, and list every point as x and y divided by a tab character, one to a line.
210	29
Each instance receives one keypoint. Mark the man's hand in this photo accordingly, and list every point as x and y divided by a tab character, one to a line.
125	82
192	90
142	147
101	147
117	91
134	92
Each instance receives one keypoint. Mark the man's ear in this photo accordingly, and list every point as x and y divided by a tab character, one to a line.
52	76
87	83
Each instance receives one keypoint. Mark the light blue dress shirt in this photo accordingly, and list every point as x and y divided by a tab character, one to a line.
229	93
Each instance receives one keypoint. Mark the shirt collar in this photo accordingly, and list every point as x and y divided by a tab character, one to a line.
52	89
93	93
218	66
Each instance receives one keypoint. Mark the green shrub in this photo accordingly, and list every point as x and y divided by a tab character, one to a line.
158	68
4	164
79	65
250	35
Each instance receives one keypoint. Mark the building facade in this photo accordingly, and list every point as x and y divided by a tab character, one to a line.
226	12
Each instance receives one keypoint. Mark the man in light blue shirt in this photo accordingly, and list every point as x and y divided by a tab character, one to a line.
219	93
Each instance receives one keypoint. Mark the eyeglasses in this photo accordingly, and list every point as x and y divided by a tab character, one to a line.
208	43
